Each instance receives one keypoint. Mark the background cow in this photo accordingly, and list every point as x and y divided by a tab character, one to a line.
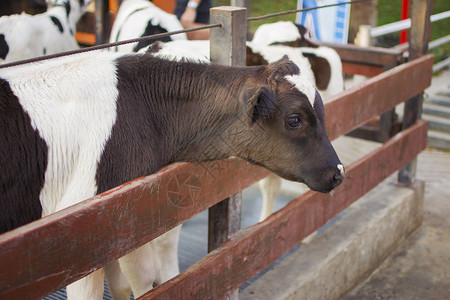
138	18
25	36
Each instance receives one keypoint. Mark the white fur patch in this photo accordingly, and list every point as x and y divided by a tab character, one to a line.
304	86
305	81
72	103
282	31
341	169
195	51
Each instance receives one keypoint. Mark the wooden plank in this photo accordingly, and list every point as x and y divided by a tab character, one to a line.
254	248
103	25
90	234
85	38
354	107
361	69
366	55
166	5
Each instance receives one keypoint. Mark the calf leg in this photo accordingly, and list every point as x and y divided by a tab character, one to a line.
139	269
118	284
88	288
166	247
270	187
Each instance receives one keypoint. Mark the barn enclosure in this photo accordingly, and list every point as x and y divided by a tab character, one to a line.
48	254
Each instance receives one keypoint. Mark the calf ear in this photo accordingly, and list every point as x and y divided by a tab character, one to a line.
321	69
302	30
260	103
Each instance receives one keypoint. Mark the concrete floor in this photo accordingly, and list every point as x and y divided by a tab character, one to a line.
420	267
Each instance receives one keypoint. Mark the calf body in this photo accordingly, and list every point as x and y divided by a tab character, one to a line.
83	124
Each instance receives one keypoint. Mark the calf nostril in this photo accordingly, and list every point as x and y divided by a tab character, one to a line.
337	179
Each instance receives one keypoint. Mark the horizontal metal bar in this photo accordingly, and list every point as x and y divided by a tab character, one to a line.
404	24
439	42
441	65
433	44
104	46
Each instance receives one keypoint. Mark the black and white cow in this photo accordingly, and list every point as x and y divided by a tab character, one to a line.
325	62
77	126
138	18
25	36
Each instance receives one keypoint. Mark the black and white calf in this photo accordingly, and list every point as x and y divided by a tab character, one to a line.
25	36
325	62
138	18
77	126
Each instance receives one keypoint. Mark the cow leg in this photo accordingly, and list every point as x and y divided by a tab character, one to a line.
118	284
139	268
89	287
166	247
270	187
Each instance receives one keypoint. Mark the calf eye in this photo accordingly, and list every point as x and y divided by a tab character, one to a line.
293	121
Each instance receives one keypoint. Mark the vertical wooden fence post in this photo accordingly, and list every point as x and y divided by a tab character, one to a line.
102	24
246	4
227	48
419	36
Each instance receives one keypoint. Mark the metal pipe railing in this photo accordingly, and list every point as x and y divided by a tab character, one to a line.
402	25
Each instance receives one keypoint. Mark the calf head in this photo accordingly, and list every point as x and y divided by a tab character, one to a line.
286	132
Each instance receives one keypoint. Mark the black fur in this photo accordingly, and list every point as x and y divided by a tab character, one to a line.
151	30
23	161
57	23
321	69
4	48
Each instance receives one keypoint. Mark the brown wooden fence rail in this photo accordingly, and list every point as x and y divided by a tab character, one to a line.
41	257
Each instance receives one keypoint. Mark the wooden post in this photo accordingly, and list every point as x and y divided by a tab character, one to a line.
419	36
224	220
102	24
242	3
227	48
246	4
385	130
362	14
228	41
